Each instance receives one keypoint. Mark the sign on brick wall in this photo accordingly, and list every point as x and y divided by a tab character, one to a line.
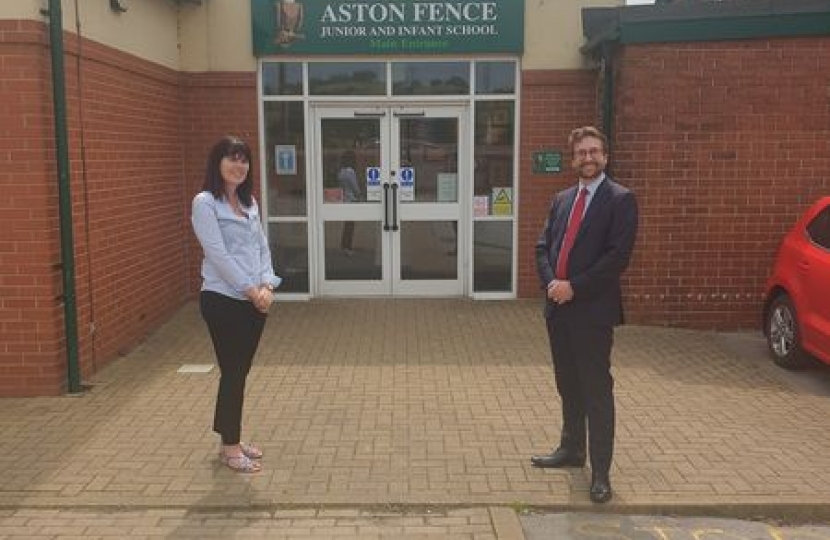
547	162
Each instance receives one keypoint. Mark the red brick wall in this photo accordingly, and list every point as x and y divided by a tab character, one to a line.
215	104
553	103
127	194
725	143
30	330
139	135
128	184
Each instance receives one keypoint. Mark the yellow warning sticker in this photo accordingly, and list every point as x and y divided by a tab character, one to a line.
502	201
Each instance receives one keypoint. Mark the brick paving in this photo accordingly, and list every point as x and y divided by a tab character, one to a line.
304	524
405	419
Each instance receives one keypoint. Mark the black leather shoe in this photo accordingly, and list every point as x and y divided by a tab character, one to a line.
600	489
560	457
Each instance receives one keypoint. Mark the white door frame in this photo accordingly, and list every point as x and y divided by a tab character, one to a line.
392	212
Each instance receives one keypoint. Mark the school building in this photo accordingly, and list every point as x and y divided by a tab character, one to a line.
456	113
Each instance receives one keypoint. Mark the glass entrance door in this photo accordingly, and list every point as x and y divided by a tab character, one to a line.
388	185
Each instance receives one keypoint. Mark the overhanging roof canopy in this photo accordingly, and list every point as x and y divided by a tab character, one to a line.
702	20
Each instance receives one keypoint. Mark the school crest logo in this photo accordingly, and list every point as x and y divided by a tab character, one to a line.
289	22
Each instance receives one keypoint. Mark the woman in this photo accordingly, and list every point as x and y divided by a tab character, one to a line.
238	285
347	178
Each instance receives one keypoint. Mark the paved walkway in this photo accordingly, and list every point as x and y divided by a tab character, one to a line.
406	419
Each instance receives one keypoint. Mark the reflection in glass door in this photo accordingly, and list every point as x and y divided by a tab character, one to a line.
425	160
388	192
352	210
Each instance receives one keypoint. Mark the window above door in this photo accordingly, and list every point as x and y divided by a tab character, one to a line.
460	78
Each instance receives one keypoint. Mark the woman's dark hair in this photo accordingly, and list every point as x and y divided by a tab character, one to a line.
228	146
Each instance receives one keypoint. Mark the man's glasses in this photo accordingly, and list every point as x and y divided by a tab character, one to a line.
593	152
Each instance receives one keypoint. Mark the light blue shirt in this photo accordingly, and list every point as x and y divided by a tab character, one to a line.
237	256
592	187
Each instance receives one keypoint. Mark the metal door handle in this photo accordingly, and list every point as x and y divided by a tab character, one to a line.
386	206
395	206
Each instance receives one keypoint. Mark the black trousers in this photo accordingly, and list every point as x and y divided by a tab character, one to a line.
582	365
235	327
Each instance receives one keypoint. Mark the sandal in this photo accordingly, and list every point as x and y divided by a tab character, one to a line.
241	463
250	451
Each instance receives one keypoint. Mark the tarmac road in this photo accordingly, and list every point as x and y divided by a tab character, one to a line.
606	526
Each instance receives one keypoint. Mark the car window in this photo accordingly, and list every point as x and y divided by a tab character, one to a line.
819	228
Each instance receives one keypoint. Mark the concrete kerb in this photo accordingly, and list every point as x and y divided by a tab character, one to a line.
506	515
295	523
505	522
789	513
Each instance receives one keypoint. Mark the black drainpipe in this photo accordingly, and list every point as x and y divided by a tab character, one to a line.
70	312
607	67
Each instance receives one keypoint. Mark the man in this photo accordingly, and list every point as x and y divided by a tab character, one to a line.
584	248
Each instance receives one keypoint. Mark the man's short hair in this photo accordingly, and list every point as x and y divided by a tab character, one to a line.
587	131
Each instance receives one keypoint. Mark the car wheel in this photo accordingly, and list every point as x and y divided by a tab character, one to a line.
783	333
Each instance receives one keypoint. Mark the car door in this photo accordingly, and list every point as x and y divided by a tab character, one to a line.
814	267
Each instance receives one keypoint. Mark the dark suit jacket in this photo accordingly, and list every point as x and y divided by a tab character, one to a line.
599	256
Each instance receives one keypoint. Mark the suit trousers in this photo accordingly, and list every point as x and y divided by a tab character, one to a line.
235	327
582	366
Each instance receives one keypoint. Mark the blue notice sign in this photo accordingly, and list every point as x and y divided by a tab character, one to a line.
372	176
373	189
407	184
285	159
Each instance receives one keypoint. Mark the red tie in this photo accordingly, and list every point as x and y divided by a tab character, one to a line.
570	234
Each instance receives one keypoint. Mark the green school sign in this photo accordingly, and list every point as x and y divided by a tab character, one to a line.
333	27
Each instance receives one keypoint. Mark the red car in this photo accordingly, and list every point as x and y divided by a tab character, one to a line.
797	300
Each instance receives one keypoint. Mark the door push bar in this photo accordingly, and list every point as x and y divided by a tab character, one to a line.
390	225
